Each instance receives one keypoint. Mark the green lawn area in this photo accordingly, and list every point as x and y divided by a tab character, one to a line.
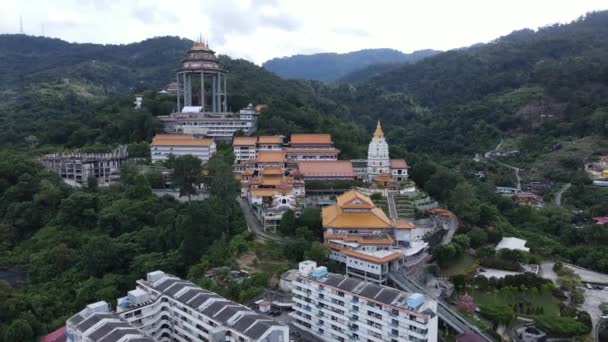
546	300
459	266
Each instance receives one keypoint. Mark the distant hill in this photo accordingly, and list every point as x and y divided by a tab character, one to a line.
334	66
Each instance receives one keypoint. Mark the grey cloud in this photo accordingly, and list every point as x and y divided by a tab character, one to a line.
349	31
153	15
229	16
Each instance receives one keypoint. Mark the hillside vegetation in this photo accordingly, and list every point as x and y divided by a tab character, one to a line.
550	82
334	66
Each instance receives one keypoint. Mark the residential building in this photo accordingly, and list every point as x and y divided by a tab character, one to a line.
270	143
165	145
378	161
326	170
165	308
96	323
202	107
334	307
365	240
528	198
398	169
507	190
244	148
78	167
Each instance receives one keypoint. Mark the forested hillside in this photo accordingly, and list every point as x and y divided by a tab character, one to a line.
88	244
112	68
334	66
553	81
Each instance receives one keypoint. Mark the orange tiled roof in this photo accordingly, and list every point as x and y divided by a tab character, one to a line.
333	216
403	224
272	171
244	141
373	218
271	157
248	172
326	168
270	139
383	177
354	199
311	139
179	140
398	164
441	212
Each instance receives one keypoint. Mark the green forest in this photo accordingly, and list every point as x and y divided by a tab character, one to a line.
82	245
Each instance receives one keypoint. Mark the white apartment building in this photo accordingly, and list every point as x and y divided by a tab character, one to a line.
244	148
96	323
164	145
165	308
338	308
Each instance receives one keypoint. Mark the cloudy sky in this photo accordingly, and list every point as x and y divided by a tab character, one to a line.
262	29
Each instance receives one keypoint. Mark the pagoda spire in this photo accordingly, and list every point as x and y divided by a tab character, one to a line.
378	133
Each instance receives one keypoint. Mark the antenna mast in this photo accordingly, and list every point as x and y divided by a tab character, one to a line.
21	24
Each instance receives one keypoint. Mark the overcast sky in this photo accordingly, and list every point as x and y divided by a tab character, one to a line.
258	30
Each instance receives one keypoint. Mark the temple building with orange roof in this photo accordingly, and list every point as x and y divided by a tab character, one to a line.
165	145
311	147
202	99
362	237
271	192
378	167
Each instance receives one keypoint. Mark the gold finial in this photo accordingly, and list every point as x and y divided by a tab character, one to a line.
378	133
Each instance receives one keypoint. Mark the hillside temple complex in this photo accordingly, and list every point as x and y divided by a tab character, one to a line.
202	99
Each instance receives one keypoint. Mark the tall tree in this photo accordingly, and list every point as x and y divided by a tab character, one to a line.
187	174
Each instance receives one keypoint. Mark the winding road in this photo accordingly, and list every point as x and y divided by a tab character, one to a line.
488	155
254	226
558	195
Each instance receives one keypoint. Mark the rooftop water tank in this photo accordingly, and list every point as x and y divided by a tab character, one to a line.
97	307
319	272
137	296
154	276
415	300
305	268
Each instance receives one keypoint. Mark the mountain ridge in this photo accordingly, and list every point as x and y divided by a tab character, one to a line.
331	66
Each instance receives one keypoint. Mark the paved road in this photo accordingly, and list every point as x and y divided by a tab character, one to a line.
453	227
254	226
445	312
558	195
515	169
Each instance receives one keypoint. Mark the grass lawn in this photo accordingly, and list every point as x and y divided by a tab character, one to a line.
459	266
546	300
